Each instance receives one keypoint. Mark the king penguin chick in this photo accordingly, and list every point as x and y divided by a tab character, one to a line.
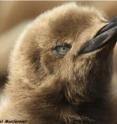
60	70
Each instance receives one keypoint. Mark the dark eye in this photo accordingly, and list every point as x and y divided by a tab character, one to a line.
61	49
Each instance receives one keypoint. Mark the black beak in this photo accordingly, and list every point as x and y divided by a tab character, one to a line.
104	36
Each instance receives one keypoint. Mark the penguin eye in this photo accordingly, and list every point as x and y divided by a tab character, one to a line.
62	49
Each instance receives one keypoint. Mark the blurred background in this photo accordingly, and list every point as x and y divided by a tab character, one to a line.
14	15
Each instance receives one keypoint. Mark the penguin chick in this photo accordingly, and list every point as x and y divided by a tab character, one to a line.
57	74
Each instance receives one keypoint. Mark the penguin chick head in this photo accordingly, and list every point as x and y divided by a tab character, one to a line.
49	51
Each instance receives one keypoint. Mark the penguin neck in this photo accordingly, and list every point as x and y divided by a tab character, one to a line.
98	109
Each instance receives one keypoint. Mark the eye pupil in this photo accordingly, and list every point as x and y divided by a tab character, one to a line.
63	48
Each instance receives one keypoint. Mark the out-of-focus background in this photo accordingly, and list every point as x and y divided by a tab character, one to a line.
14	15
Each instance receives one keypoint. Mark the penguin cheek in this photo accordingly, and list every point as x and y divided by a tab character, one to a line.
81	66
50	64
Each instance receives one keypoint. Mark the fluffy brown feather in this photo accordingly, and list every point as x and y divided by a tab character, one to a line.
44	88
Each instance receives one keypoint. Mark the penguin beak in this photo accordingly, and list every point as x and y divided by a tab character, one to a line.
104	36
